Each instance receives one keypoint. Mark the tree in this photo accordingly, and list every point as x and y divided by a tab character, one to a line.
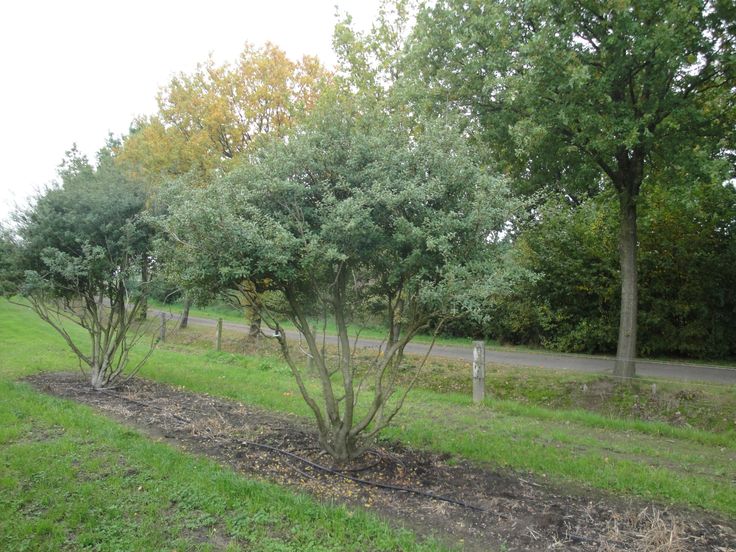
369	63
209	118
586	95
81	245
687	258
353	212
10	272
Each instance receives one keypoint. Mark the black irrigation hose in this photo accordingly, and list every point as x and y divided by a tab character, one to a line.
365	481
581	539
148	405
359	468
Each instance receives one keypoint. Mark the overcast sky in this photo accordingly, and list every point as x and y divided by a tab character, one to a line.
75	70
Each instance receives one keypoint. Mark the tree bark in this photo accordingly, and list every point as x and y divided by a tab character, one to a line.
254	330
185	313
97	378
626	350
143	312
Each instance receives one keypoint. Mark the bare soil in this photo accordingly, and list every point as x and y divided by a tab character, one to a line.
472	508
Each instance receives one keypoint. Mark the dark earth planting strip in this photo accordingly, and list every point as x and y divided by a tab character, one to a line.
510	511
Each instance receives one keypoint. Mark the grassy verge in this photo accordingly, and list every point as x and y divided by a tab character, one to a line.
71	479
665	408
232	314
675	465
229	313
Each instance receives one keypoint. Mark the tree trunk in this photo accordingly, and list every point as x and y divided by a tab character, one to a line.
185	313
95	379
143	312
254	330
626	350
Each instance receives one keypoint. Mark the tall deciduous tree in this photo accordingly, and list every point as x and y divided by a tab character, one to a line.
217	113
687	258
583	94
352	210
369	62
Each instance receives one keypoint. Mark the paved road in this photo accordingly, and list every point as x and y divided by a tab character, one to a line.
574	363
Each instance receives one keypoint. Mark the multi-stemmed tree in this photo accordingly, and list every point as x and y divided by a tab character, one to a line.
81	245
354	208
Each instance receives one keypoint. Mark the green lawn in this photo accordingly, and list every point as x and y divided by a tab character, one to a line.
71	479
573	448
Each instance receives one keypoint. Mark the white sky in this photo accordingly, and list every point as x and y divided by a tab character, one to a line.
75	70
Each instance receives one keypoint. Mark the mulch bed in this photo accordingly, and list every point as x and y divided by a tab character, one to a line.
479	508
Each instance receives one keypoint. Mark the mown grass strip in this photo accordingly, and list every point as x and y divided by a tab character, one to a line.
615	455
74	480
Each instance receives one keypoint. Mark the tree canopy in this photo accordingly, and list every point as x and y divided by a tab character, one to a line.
215	114
584	96
354	211
82	245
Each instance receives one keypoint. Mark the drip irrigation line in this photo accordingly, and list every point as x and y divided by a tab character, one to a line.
570	536
376	453
581	539
366	482
146	405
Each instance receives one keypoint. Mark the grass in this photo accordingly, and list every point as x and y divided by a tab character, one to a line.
369	331
71	479
573	448
659	403
377	332
672	407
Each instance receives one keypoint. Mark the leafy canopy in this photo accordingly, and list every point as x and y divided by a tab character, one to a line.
212	116
82	246
354	212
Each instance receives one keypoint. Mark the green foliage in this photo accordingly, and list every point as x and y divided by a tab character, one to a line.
84	250
687	263
688	266
370	63
566	93
363	195
10	271
354	212
82	234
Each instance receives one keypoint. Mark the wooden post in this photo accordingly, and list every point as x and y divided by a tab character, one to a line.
162	330
218	335
479	371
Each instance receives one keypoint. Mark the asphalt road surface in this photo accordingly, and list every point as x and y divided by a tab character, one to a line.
574	363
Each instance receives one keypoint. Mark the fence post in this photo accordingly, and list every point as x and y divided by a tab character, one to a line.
218	334
162	329
479	371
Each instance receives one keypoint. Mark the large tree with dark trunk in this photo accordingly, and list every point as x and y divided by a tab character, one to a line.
579	95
